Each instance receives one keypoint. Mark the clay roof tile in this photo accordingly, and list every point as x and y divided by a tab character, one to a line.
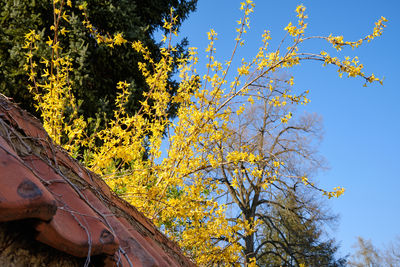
72	209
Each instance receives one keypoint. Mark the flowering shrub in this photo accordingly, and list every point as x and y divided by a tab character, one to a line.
166	167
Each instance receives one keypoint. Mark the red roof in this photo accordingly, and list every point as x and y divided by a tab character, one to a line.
73	210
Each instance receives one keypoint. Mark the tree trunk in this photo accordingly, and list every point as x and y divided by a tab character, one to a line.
249	247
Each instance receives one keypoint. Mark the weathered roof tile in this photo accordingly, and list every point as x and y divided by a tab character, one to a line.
22	195
72	209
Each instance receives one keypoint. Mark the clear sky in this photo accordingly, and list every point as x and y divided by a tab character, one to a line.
361	124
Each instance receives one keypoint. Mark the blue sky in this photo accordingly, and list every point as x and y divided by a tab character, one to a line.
361	124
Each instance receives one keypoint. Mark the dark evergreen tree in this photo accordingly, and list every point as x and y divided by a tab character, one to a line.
293	233
97	69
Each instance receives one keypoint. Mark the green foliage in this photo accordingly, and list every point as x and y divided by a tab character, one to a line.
293	233
96	69
16	18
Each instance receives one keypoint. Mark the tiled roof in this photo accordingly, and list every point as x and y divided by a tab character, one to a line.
70	208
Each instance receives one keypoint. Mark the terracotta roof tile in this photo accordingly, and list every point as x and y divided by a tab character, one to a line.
72	209
22	195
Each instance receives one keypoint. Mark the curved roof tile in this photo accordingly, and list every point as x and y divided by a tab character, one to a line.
73	210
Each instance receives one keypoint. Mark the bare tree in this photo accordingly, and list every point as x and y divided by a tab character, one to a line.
367	255
391	254
278	155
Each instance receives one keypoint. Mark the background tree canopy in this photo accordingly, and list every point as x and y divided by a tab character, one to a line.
294	231
97	69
